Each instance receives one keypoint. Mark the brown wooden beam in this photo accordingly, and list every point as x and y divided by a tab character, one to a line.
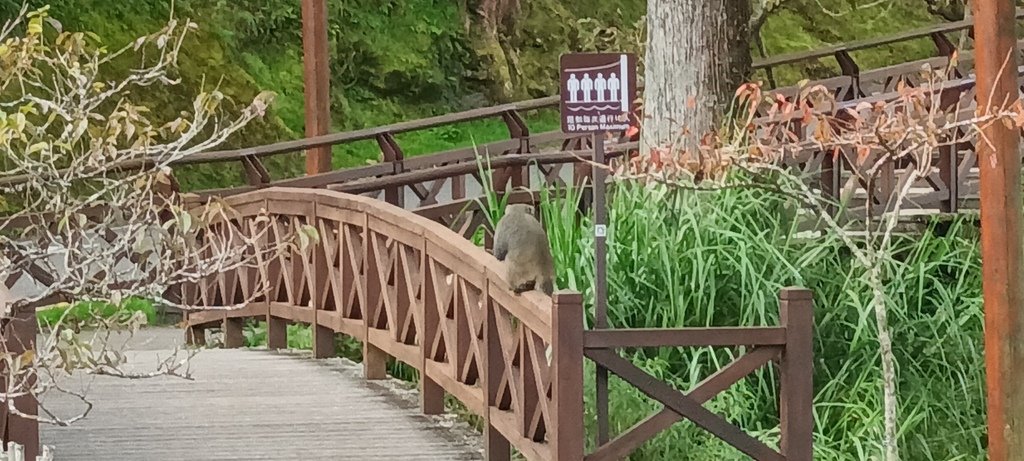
684	337
683	405
999	166
628	441
316	76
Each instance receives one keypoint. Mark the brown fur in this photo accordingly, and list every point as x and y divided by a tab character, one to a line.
521	242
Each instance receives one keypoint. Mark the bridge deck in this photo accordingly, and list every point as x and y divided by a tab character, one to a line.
248	405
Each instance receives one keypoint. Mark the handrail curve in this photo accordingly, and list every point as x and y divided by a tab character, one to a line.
412	289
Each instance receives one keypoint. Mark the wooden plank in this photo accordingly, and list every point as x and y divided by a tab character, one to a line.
293	313
249	404
683	337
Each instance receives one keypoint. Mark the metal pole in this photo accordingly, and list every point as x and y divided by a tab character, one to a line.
999	162
316	76
600	280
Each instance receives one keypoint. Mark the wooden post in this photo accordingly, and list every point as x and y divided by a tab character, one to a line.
194	335
375	361
233	336
999	163
19	335
431	393
323	336
316	76
796	314
496	446
567	376
277	332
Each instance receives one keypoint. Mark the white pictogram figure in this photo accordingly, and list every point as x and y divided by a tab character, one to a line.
613	87
587	85
600	85
573	87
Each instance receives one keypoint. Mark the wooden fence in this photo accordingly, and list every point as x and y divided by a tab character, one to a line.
412	289
950	183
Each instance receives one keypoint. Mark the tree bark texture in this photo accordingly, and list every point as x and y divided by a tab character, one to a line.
890	391
487	21
698	53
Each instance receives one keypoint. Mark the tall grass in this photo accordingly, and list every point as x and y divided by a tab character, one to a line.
683	258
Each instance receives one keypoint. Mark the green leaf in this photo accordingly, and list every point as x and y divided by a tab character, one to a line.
37	147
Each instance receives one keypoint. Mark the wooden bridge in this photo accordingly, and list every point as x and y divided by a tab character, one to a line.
394	269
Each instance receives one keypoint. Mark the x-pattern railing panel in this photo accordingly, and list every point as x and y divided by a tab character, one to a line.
411	288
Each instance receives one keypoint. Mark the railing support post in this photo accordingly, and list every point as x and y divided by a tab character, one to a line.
195	336
233	336
496	446
323	336
19	335
277	332
431	393
375	361
567	376
796	314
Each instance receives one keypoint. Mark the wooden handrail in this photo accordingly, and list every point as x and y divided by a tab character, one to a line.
409	288
829	51
476	114
440	304
372	133
544	102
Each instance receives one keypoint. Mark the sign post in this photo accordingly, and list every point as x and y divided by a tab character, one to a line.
598	91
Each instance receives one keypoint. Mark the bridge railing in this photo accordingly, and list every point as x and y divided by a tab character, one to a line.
943	188
852	84
410	288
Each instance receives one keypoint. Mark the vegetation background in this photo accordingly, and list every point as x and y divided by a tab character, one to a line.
396	60
677	258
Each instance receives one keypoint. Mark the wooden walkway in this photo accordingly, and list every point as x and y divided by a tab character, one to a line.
250	405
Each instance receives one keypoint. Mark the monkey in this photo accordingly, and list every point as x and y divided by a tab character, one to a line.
522	244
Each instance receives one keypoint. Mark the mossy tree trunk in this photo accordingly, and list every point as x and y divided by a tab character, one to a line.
698	52
487	21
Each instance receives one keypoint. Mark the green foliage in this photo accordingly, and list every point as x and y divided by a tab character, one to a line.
87	312
804	25
682	258
399	60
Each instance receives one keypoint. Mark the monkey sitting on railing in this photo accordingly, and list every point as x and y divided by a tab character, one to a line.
522	244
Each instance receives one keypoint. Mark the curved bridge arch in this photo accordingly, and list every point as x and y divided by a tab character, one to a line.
413	289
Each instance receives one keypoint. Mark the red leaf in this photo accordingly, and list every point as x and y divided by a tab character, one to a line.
632	130
862	154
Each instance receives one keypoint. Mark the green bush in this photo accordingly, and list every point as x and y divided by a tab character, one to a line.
681	258
86	312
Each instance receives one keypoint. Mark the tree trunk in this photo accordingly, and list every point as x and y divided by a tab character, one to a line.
486	21
698	52
890	402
